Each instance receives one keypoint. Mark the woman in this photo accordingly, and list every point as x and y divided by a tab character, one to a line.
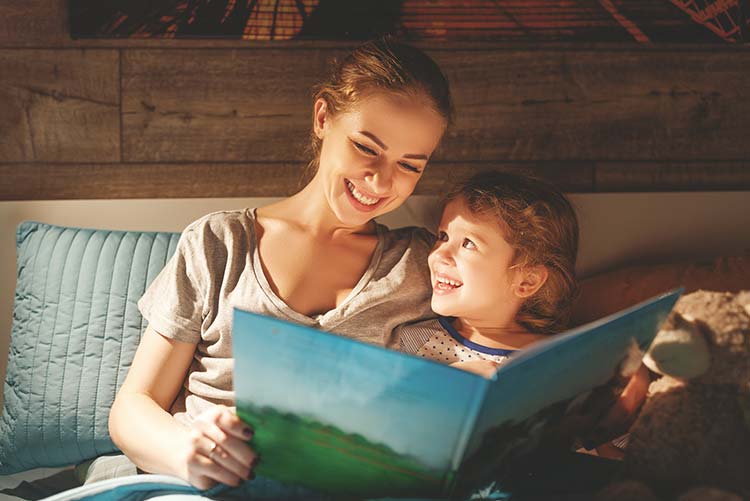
316	258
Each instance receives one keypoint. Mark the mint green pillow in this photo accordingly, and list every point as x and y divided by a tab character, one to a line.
75	330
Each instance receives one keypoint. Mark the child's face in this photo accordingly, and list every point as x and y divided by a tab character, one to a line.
471	267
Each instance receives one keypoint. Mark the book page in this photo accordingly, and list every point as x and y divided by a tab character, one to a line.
344	416
534	392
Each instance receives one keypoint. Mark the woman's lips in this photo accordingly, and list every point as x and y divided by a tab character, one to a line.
360	206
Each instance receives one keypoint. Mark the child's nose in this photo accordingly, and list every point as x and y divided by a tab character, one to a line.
442	254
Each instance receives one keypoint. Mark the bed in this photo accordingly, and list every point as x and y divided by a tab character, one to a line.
632	246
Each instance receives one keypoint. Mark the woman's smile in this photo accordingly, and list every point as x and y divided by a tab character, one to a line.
361	201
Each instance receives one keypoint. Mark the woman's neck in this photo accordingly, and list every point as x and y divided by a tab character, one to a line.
309	210
510	335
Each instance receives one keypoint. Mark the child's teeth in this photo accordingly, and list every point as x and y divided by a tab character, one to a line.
454	283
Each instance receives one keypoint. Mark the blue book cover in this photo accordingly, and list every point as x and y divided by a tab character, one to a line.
350	418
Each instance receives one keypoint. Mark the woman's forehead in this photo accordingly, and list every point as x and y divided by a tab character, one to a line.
392	118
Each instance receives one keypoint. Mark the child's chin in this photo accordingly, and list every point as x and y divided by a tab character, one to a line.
442	309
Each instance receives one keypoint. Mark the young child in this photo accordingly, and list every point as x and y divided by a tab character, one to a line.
502	271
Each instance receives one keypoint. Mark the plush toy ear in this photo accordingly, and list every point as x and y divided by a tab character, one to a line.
532	278
320	117
680	351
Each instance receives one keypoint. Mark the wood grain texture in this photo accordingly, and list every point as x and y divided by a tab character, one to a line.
33	23
58	181
240	105
205	118
572	177
599	105
227	105
53	181
673	176
59	105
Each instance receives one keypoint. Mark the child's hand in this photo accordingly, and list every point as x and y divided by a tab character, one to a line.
485	368
217	450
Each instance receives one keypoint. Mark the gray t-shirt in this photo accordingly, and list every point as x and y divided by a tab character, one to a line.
216	267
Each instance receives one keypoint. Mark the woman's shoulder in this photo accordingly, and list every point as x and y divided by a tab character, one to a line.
219	233
222	223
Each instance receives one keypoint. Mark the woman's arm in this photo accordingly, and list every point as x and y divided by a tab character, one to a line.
141	426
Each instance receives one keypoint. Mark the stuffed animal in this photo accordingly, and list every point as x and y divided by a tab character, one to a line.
691	439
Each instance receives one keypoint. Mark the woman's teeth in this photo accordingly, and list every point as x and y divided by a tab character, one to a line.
359	196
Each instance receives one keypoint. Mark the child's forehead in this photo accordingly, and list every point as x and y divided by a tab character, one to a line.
457	213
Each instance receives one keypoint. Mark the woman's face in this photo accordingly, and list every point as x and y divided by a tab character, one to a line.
373	155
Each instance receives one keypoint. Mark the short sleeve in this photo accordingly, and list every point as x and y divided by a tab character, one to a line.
173	303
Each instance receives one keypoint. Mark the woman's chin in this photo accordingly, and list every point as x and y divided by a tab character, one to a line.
349	217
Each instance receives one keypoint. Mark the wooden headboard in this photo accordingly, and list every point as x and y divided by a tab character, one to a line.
88	119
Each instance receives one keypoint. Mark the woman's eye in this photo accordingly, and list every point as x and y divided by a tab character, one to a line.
442	236
364	148
410	167
468	244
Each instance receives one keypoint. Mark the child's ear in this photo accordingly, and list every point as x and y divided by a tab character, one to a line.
320	116
532	279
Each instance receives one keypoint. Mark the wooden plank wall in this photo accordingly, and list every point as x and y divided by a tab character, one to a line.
192	118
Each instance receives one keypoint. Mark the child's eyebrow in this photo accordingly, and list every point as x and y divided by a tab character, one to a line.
475	236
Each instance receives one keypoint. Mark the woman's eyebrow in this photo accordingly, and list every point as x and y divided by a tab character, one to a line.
376	139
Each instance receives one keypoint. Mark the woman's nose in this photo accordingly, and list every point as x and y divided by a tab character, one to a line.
380	179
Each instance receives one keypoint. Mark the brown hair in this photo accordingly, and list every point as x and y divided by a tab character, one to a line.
380	65
540	224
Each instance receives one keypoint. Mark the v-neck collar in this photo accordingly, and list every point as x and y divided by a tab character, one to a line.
322	318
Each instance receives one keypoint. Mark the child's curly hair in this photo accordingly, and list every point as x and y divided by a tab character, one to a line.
541	225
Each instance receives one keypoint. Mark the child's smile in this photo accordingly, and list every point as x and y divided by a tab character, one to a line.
445	285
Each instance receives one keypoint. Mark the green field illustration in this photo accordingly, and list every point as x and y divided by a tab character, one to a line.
328	459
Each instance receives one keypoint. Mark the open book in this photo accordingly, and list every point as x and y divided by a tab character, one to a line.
349	418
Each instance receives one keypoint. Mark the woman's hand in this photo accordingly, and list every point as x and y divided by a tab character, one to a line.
485	368
217	450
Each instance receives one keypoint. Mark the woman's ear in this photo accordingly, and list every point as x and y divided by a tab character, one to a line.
532	279
320	116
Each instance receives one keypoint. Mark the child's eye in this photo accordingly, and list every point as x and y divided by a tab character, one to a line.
410	167
468	244
442	236
364	149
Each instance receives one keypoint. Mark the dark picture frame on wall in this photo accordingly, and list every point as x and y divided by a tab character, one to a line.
637	21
